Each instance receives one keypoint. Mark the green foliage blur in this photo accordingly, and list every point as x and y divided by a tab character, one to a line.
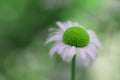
24	28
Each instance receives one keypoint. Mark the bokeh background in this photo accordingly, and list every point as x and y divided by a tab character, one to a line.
24	28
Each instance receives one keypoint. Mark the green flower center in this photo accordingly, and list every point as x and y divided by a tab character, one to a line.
76	36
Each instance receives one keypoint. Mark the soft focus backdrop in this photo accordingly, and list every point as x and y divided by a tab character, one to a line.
24	28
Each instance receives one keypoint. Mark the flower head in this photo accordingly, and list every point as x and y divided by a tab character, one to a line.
73	39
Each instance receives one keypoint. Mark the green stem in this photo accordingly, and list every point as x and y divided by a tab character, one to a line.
73	68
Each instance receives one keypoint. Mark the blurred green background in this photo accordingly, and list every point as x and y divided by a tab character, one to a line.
24	28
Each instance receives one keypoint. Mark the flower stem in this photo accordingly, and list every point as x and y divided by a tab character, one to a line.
73	68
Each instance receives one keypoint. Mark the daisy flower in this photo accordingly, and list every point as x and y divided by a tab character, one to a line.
73	39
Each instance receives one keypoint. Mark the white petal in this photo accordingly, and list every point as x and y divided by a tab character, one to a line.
93	39
76	24
59	32
66	25
54	48
61	25
83	55
70	54
70	24
91	51
83	58
54	38
64	54
61	48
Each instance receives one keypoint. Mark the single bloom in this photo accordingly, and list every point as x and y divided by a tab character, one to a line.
73	39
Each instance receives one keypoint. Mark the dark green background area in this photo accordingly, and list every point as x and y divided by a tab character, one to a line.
24	28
